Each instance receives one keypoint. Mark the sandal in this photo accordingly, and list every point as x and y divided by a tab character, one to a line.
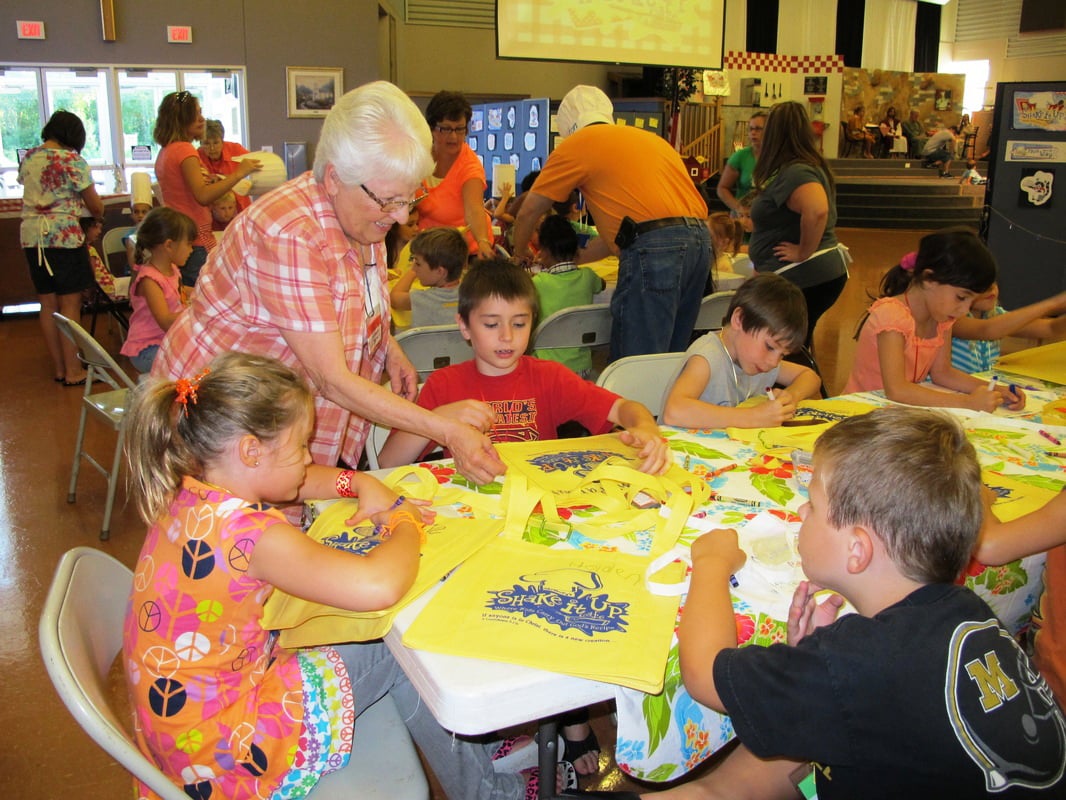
565	779
574	750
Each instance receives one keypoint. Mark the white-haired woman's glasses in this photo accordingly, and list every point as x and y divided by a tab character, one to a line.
388	206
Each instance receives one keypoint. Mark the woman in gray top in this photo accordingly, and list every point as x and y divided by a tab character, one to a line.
794	212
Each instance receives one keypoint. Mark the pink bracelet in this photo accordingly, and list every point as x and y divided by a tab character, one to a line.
344	484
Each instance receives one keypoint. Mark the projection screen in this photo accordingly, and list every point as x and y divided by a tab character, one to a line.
666	33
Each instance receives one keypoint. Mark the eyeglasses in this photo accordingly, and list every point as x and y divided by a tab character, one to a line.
388	206
444	129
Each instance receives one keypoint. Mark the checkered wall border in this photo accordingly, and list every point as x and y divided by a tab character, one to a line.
772	62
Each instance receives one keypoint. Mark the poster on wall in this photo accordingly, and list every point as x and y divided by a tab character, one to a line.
1049	152
1036	188
1039	111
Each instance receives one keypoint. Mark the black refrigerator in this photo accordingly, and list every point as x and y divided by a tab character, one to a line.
1025	199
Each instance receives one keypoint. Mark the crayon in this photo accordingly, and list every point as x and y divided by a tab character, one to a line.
1053	439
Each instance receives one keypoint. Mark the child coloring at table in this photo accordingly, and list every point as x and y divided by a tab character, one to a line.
975	344
922	693
219	707
164	242
514	397
905	336
438	256
727	234
766	320
561	284
511	396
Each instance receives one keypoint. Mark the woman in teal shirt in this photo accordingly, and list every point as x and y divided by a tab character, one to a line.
736	175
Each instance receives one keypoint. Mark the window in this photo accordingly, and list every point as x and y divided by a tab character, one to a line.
118	140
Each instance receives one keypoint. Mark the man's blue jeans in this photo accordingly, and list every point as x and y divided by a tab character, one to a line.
661	278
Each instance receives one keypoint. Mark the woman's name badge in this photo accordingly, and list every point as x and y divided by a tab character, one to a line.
375	331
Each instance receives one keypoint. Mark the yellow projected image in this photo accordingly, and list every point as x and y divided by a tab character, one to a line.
680	33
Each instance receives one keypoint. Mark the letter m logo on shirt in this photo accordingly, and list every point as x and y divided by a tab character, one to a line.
995	685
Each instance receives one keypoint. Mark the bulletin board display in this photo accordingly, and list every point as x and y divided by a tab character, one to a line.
514	132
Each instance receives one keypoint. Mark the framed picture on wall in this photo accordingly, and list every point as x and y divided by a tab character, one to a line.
312	91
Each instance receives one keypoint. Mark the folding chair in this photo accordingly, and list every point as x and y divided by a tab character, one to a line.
645	379
577	326
111	244
712	310
847	143
80	633
375	440
434	346
104	295
109	407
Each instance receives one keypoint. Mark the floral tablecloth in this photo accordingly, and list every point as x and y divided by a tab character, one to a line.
755	489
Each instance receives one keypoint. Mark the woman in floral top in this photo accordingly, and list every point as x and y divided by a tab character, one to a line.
57	190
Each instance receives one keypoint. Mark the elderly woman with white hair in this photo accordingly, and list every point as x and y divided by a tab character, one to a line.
300	276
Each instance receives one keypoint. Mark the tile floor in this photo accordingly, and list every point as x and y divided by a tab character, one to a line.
43	754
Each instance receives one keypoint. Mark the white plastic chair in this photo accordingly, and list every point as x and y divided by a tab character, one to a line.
375	440
80	633
577	326
434	346
712	310
109	407
645	379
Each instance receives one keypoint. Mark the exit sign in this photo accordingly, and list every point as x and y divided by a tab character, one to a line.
30	29
179	34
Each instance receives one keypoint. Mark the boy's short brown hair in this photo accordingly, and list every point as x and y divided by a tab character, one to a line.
495	277
442	247
771	303
911	476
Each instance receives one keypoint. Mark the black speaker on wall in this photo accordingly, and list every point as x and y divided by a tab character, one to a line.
1042	15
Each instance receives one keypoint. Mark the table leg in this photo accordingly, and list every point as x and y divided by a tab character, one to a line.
548	757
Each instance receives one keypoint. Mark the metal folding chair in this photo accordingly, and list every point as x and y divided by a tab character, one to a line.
577	326
109	407
712	311
645	379
434	346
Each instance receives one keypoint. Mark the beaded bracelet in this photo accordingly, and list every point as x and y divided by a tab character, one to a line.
344	484
403	515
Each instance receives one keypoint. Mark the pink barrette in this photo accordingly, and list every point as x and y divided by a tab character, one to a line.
908	261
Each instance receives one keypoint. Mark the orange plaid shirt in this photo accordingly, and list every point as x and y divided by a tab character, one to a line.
286	265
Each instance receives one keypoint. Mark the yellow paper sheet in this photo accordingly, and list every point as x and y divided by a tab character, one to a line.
1015	498
1048	363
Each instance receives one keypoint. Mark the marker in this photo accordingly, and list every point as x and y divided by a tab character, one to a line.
770	393
992	383
1053	439
733	581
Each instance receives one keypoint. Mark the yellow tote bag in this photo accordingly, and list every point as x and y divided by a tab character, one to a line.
813	418
580	612
597	471
302	623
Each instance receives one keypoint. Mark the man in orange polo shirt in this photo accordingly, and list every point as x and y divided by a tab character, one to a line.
648	211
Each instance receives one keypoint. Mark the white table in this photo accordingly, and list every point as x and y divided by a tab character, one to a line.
473	696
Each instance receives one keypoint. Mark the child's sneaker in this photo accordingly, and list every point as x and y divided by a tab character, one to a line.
565	779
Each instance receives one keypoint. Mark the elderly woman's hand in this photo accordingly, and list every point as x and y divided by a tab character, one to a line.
474	455
403	377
